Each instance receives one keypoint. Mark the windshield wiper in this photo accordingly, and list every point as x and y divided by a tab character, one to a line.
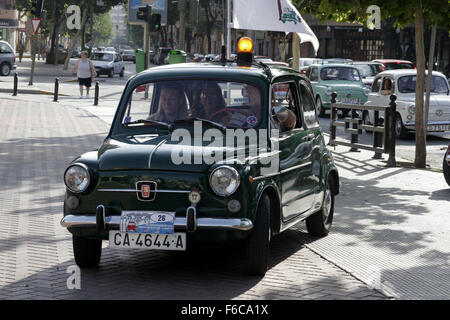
214	124
163	124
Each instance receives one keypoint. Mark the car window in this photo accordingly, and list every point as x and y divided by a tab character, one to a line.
308	107
376	85
407	84
102	56
231	104
339	73
314	75
4	48
284	95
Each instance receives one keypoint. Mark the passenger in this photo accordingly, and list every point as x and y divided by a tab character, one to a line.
172	104
210	101
387	87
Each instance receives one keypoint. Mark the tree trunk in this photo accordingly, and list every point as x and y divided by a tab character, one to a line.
52	56
421	141
75	39
430	73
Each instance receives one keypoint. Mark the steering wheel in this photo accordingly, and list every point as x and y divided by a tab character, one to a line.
228	110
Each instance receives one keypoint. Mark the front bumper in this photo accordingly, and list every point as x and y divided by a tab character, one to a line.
433	126
113	222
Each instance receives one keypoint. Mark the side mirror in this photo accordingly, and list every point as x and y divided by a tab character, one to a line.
285	117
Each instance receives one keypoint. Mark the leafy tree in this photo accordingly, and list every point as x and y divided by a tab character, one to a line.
403	13
102	28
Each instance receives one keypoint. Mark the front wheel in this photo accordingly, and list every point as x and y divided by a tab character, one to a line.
5	69
319	107
319	223
400	131
87	252
111	73
259	239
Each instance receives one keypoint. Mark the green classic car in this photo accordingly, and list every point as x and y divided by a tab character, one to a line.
344	79
203	152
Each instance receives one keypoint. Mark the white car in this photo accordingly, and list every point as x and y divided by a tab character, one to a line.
403	85
108	63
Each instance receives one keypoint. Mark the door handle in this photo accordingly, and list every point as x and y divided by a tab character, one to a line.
309	137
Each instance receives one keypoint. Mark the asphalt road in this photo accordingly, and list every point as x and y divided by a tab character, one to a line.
437	143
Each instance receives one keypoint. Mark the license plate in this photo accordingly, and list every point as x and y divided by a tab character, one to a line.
154	222
438	127
124	240
347	100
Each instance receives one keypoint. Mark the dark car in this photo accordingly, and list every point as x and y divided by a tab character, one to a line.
150	186
129	55
446	165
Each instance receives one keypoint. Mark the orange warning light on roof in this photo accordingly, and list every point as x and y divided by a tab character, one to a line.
245	44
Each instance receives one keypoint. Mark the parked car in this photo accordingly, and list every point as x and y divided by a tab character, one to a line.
393	64
136	192
208	57
198	57
262	59
161	54
344	79
402	83
304	63
108	63
76	53
446	165
277	63
7	58
368	71
336	60
110	49
129	55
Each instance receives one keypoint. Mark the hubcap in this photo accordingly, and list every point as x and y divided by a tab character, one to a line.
318	106
327	204
5	69
398	126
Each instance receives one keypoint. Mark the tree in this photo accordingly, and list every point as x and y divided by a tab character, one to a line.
404	13
212	10
102	28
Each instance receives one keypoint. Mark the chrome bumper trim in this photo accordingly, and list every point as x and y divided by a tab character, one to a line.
202	223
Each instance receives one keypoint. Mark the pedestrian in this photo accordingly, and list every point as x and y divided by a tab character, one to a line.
85	73
20	49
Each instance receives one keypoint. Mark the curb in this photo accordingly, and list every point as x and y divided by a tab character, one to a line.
31	91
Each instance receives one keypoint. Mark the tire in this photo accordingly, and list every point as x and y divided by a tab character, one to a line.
257	246
5	69
319	223
97	74
111	73
319	107
87	252
400	131
122	73
446	169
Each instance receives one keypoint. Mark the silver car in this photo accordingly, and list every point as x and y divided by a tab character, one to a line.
7	58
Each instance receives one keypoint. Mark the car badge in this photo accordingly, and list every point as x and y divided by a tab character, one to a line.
349	95
439	112
146	190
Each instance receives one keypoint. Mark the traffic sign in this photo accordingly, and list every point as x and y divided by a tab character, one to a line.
36	23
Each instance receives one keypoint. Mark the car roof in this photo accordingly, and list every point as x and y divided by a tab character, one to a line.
219	70
328	65
396	73
104	51
391	61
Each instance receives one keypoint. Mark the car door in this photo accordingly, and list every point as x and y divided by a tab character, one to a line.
373	99
294	158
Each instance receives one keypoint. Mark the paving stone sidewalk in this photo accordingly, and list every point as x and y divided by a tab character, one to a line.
37	142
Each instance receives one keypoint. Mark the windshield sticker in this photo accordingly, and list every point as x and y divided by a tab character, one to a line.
252	121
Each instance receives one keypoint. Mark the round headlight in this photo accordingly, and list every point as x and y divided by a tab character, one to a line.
224	180
412	109
77	177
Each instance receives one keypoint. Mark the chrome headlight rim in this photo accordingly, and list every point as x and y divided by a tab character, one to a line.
235	173
412	109
85	167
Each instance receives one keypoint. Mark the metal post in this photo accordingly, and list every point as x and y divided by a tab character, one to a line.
15	84
377	143
96	93
55	93
393	111
354	136
333	113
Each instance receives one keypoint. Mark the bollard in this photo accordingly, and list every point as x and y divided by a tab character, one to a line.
15	84
377	136
55	93
392	138
333	116
96	94
354	136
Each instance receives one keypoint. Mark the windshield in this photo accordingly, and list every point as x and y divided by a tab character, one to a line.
398	65
407	84
229	104
339	73
368	70
102	56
